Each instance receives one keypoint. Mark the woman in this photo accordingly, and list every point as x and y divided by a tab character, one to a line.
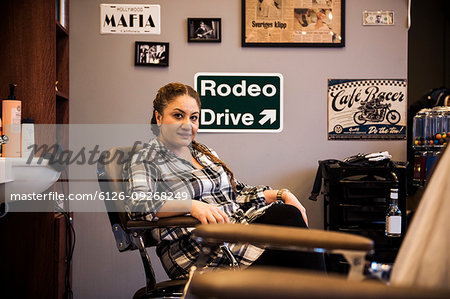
175	165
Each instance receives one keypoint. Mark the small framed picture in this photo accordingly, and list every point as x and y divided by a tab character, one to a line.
151	54
204	30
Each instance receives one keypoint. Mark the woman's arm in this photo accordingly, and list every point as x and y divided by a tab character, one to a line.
288	198
204	212
174	208
250	196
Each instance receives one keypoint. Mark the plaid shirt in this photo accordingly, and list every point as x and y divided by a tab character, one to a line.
155	169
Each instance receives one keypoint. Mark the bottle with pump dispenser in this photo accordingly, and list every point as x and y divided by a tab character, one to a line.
11	117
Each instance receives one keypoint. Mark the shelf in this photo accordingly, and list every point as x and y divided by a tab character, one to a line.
62	113
368	204
60	95
357	198
360	229
373	183
62	14
62	63
61	31
424	148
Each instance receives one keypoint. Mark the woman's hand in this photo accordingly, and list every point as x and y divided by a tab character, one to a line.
207	213
290	199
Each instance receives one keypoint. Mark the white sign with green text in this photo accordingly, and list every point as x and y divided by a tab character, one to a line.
240	102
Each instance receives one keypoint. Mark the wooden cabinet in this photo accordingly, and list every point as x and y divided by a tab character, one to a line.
34	53
33	255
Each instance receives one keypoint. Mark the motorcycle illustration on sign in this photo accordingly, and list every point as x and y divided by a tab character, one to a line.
375	111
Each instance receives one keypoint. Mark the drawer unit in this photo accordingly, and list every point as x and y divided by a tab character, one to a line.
356	200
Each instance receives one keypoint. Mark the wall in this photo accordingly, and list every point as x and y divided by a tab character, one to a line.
107	88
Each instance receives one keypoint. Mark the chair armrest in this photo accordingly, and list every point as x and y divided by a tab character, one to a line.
286	283
278	236
176	221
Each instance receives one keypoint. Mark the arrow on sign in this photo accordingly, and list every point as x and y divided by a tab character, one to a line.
269	114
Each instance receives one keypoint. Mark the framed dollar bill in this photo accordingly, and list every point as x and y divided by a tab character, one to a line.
366	109
293	23
378	18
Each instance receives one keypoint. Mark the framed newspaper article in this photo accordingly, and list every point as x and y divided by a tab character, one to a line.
293	23
366	109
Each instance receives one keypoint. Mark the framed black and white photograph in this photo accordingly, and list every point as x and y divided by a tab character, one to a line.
204	30
151	54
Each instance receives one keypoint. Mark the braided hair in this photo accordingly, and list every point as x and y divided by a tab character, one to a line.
168	93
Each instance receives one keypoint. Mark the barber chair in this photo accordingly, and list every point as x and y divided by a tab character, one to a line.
135	235
421	269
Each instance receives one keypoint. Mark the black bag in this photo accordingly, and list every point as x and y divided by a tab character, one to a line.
357	160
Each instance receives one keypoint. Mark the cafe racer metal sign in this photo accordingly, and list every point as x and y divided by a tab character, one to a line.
366	109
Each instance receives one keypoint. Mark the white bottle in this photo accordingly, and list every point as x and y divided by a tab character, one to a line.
27	137
393	216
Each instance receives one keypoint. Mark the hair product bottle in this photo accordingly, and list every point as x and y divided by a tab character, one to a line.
11	116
